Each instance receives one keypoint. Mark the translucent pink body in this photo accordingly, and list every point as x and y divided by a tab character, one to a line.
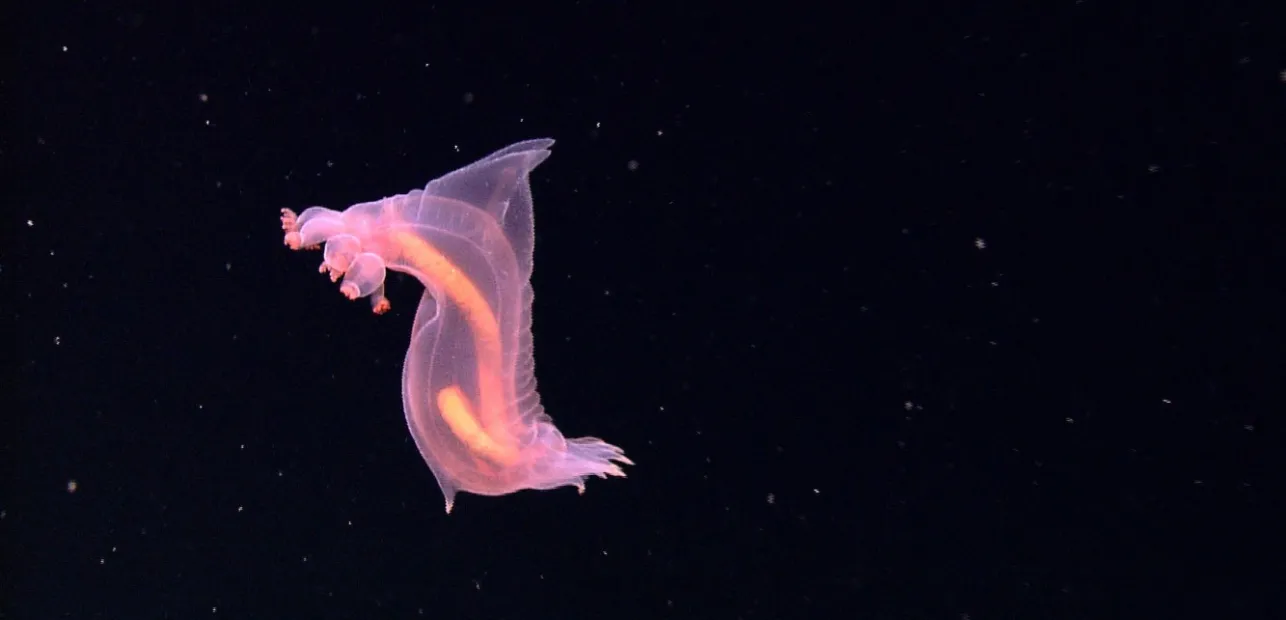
468	382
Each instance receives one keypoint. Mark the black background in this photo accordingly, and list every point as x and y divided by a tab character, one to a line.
758	270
